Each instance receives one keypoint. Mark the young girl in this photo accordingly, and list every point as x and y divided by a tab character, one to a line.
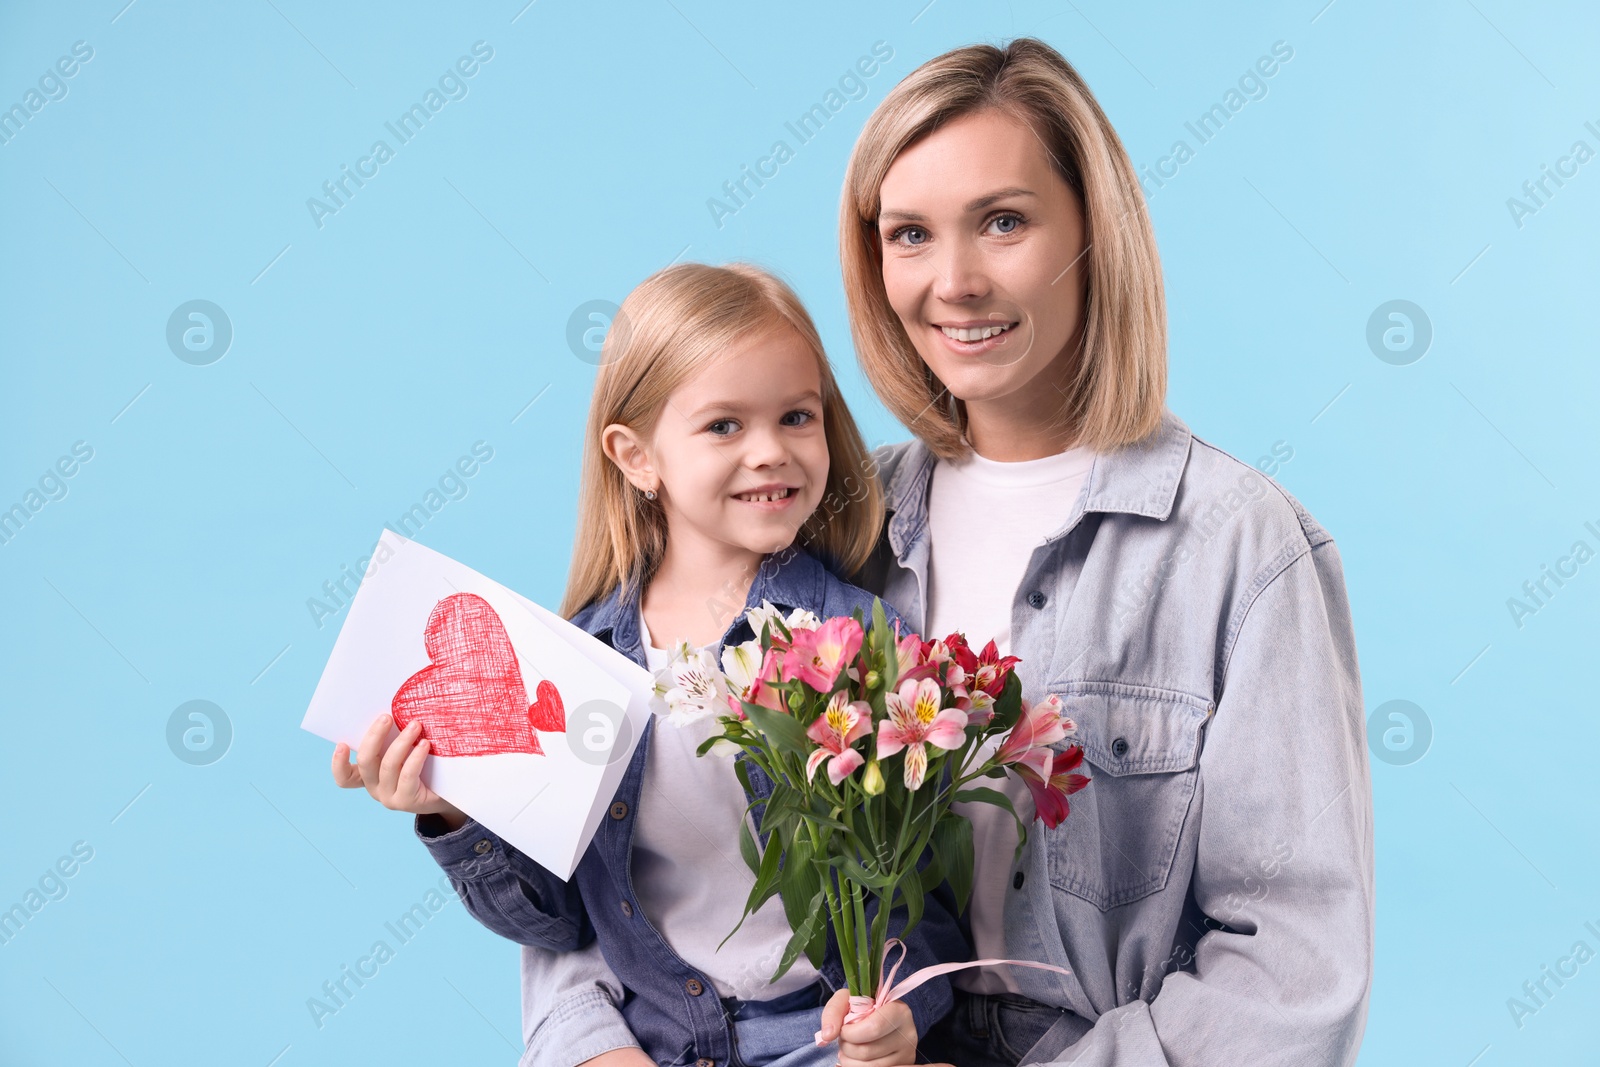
715	434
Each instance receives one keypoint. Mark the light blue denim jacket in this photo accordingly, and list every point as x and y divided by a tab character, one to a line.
1212	889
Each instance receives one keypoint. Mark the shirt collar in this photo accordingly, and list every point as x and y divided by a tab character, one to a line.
789	579
1138	479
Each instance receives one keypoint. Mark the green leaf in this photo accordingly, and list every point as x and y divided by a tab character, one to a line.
816	919
984	795
817	947
851	870
766	877
782	730
952	845
747	849
934	871
822	815
884	638
800	881
1008	705
781	809
911	890
766	884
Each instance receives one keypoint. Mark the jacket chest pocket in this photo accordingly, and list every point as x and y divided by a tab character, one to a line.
1142	748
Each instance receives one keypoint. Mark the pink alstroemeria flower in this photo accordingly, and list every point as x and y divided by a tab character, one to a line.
915	721
1039	727
761	690
816	656
1051	788
840	725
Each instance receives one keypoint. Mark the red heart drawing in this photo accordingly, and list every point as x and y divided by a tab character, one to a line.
470	698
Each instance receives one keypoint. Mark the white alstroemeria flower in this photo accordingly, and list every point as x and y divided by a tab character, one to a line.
762	616
798	619
694	686
801	619
741	664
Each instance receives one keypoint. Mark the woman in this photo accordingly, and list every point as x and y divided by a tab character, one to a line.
1212	890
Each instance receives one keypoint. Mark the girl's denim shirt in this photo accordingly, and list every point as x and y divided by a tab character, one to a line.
669	1007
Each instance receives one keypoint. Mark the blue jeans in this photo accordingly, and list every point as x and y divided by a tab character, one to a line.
999	1031
780	1032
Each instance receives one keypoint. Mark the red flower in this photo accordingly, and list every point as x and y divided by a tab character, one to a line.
992	669
1050	791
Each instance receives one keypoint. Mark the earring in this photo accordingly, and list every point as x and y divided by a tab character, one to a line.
649	494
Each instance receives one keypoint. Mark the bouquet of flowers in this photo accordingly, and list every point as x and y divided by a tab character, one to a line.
869	737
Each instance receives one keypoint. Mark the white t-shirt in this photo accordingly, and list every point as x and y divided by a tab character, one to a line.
687	872
985	518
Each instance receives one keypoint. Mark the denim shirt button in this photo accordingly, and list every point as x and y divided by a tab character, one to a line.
703	1062
694	986
1036	599
619	810
627	909
1119	747
482	847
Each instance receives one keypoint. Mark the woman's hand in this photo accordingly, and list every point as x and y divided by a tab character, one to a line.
391	770
886	1038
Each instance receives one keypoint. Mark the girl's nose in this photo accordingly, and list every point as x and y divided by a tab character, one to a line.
765	448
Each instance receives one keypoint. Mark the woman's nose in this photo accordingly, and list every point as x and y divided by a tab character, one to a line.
960	273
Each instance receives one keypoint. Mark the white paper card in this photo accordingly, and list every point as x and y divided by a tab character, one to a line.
546	803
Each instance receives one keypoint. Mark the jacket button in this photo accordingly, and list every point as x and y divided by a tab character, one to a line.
619	810
1036	599
695	988
704	1063
1016	880
483	847
627	909
1119	747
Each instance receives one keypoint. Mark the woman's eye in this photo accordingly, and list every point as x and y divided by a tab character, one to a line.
914	236
1007	223
798	418
722	427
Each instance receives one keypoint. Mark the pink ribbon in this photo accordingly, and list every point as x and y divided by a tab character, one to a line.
888	991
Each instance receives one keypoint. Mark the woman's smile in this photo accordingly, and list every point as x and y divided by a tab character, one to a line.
976	338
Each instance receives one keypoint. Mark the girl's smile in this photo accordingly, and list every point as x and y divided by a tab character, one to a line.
770	497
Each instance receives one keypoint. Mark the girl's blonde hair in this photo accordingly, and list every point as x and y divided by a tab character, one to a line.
676	323
1118	392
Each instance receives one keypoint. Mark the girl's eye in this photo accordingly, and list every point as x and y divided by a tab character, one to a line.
914	236
1007	223
722	427
797	417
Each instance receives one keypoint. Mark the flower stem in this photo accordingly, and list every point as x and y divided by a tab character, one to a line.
864	971
843	925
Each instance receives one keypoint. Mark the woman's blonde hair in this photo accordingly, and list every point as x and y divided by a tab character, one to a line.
1118	390
676	323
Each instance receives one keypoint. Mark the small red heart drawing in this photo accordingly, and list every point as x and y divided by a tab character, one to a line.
471	699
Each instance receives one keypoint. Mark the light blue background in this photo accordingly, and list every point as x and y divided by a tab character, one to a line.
370	353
